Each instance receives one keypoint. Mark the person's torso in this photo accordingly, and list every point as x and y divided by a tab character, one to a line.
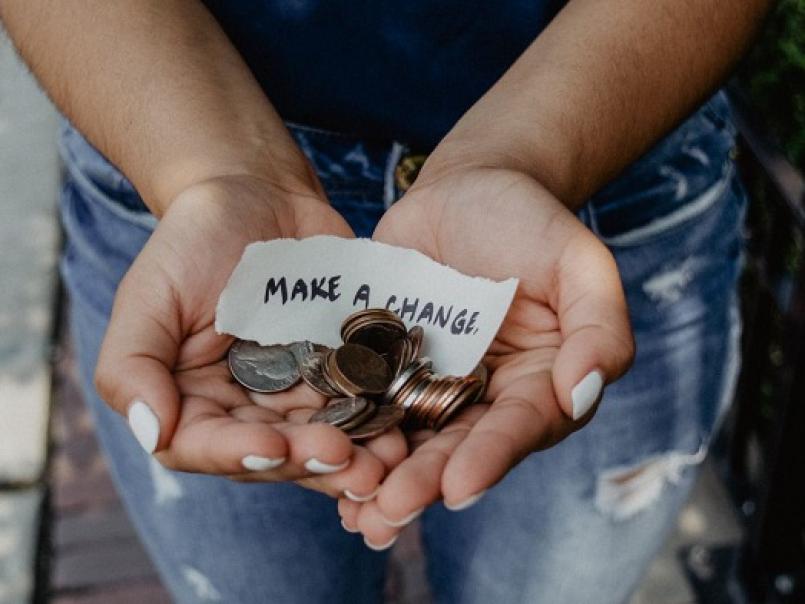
404	71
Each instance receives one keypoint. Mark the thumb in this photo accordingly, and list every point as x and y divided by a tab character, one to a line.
134	371
597	343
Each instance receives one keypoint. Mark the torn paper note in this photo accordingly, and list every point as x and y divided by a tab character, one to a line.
288	290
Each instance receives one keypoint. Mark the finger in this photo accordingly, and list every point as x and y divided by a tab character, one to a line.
377	533
133	374
514	426
255	413
319	448
390	448
358	482
416	482
598	346
209	440
348	510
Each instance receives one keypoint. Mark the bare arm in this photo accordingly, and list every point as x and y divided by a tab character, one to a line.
157	86
603	82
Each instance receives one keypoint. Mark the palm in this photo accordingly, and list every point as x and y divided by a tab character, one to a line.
470	228
499	224
169	297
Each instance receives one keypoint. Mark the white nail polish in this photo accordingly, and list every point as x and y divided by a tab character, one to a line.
361	498
405	521
347	529
466	503
586	392
380	548
319	467
255	463
145	425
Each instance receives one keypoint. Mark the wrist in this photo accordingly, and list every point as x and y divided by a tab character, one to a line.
288	173
546	157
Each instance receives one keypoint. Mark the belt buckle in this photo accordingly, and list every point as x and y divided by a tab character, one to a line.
407	170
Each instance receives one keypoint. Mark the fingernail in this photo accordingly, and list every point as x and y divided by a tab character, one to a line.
405	521
145	425
319	467
466	503
586	392
380	548
255	463
346	528
361	498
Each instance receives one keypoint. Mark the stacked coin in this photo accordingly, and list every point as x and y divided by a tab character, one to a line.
375	380
430	400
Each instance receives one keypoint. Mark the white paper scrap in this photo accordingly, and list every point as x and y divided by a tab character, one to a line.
289	290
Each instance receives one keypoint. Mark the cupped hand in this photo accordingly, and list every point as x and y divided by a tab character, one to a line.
162	364
566	334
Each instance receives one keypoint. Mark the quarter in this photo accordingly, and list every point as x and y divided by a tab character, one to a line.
263	368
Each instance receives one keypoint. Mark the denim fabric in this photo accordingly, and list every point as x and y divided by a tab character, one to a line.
568	525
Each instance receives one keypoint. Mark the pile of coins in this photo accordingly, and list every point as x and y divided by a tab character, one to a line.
374	381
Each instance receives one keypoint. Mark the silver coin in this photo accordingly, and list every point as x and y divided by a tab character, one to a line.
301	350
361	418
263	368
386	418
340	411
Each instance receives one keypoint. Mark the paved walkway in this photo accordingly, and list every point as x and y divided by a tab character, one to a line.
29	179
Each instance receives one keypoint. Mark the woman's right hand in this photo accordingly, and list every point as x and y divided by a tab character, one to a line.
163	365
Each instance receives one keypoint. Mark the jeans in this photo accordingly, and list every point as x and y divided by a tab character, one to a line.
577	523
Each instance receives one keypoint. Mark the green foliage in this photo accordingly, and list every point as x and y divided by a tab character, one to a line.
774	77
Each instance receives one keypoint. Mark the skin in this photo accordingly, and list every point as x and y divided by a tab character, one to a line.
210	156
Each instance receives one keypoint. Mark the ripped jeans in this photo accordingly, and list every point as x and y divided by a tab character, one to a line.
577	523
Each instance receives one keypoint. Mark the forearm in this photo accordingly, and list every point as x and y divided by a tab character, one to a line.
159	89
598	87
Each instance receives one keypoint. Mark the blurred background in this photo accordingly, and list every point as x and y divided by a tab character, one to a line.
64	537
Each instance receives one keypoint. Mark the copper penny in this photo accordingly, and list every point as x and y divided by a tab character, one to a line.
359	370
415	335
311	367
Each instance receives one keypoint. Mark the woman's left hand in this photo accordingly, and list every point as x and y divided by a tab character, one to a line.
566	334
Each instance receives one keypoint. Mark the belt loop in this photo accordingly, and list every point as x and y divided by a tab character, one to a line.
389	186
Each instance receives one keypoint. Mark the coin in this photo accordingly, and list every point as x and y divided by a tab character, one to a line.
340	411
357	370
399	356
470	389
415	335
386	418
419	366
482	373
312	369
375	328
359	419
263	368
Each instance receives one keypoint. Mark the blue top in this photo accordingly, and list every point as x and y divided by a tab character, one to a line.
404	71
